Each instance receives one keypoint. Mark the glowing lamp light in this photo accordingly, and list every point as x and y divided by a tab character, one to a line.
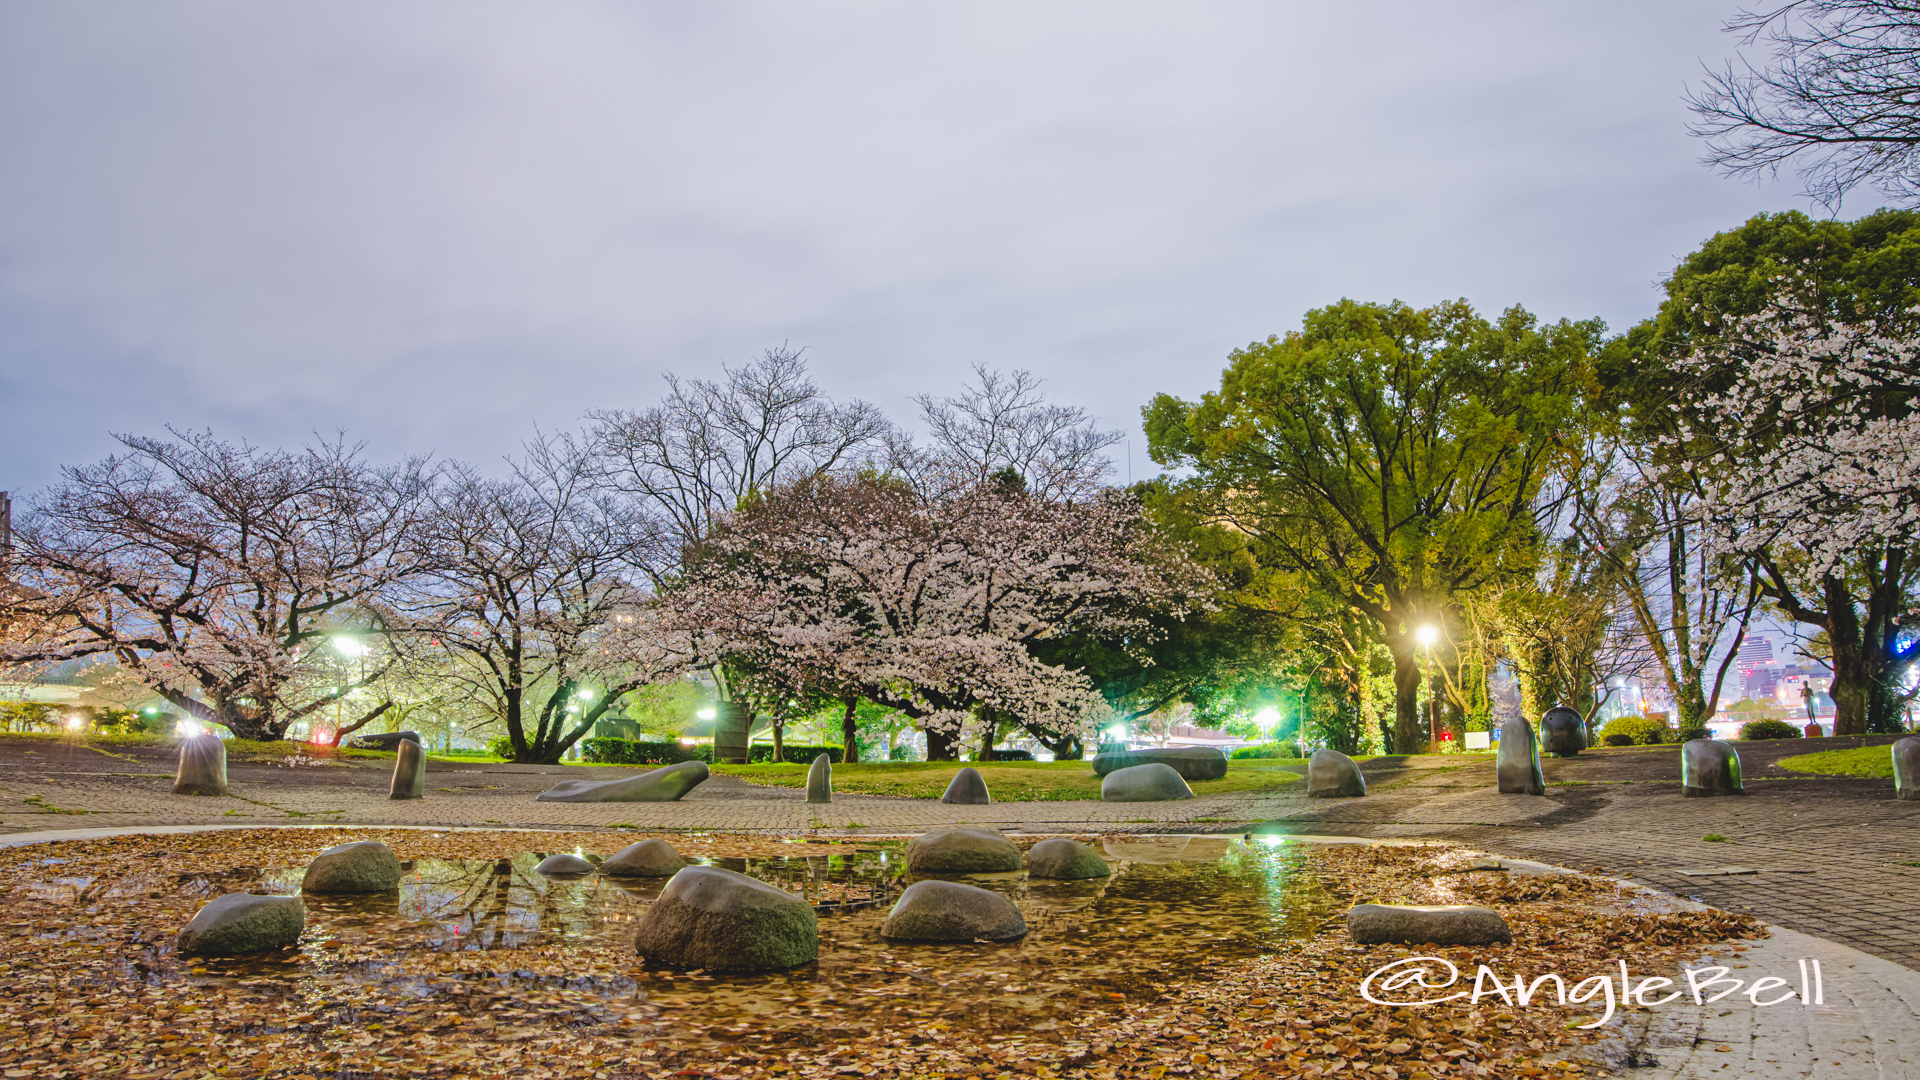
189	729
585	695
1427	635
347	646
75	723
706	714
1116	732
1267	718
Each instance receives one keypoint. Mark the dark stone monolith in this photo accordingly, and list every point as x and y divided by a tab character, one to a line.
1906	769
1562	732
409	770
1709	768
203	767
1333	775
660	785
820	780
1191	762
1518	762
968	788
386	740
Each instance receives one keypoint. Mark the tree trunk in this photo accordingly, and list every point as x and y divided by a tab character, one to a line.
1408	734
942	746
779	740
850	734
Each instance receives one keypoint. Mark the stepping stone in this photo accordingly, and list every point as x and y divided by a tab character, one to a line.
1518	762
1562	732
660	785
820	780
1156	782
241	923
1191	762
409	771
1410	924
203	767
962	851
1333	775
1065	860
367	866
716	919
1709	768
564	865
968	788
648	858
947	911
1906	769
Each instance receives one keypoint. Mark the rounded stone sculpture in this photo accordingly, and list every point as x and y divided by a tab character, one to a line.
716	919
820	780
1333	775
1518	763
409	771
962	851
660	785
240	923
1562	732
968	788
1065	860
367	866
1409	924
948	911
203	767
1906	769
388	740
1157	782
1191	762
1709	768
564	865
648	858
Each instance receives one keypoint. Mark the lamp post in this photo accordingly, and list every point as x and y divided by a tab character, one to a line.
1427	635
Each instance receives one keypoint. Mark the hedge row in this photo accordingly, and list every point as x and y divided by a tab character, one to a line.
630	752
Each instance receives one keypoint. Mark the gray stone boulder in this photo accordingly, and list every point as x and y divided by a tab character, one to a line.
660	785
203	767
1191	762
1709	768
1906	769
648	858
949	911
1065	860
387	740
1562	732
1409	924
1156	782
241	923
962	851
367	866
968	788
564	866
409	771
716	919
1333	775
1517	765
820	780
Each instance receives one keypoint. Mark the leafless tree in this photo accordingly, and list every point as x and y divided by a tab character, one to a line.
1004	426
1841	96
214	571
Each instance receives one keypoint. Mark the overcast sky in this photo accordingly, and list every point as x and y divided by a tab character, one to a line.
439	225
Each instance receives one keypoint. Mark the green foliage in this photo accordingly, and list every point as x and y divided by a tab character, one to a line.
629	752
1769	729
760	753
1636	731
500	746
1008	781
1714	838
1283	750
24	716
903	752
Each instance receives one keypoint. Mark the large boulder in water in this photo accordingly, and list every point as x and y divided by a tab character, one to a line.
648	858
1333	775
1065	860
1906	769
203	767
660	785
716	919
968	788
950	911
1191	762
820	780
1517	765
1709	768
1562	732
1411	924
367	866
962	851
409	771
240	923
387	740
1155	782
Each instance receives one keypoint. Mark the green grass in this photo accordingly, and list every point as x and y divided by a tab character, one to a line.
1714	838
1858	761
1007	781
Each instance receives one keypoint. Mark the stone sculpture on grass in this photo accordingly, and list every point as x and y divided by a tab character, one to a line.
409	771
1191	762
366	866
968	788
241	923
716	919
1906	769
387	740
1709	768
1517	765
660	785
1156	782
203	767
648	858
978	850
820	780
1065	860
564	866
1562	732
947	911
1333	775
1410	924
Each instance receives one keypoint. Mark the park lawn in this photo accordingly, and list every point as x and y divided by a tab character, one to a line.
1007	781
1857	761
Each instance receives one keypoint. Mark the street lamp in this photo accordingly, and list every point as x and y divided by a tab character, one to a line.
1427	635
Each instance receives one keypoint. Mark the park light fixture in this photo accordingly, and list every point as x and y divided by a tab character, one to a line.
1268	718
76	722
586	695
706	714
1117	732
349	646
189	729
1427	635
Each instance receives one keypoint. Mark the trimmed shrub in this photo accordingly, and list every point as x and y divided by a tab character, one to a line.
903	752
1007	755
1635	731
631	752
500	746
1768	729
1285	748
762	754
